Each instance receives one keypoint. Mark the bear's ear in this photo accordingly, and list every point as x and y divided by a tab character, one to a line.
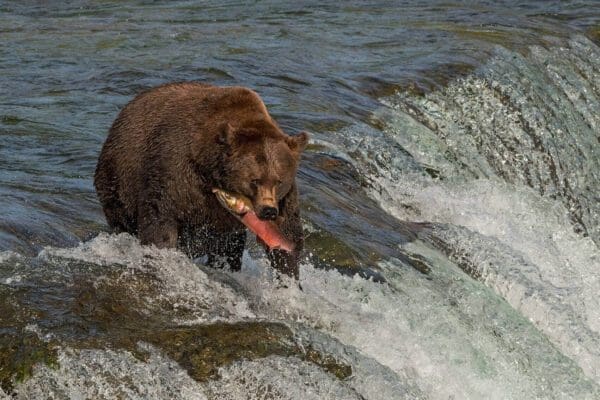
298	142
227	134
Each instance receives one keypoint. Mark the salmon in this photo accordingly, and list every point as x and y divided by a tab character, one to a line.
267	231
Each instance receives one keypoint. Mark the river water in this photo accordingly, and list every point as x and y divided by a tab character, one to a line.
451	202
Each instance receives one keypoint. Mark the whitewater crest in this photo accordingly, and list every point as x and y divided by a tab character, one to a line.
119	325
111	318
501	169
528	120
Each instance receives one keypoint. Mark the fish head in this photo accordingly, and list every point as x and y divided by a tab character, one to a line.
238	204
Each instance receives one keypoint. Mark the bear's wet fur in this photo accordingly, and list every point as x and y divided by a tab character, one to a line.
170	146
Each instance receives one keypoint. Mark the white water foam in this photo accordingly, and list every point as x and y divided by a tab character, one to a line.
517	240
8	255
108	374
209	295
410	326
277	378
184	286
563	266
439	336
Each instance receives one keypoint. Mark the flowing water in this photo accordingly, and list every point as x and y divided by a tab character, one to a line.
451	203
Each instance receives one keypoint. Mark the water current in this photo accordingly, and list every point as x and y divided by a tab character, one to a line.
450	199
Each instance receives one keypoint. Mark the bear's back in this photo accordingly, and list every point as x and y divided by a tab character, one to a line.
176	111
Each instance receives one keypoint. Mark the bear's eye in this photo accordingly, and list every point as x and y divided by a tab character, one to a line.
254	182
279	183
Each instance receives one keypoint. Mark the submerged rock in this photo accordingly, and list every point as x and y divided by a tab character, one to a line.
60	303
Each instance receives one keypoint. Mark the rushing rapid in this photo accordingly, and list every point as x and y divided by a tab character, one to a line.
450	194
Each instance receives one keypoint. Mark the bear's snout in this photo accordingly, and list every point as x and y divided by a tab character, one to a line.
265	202
267	213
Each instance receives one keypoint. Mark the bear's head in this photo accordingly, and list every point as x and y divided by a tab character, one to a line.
260	162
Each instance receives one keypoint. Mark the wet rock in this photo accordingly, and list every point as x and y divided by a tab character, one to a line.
329	252
593	33
82	306
19	353
20	346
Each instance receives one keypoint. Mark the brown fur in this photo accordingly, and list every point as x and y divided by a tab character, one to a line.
170	146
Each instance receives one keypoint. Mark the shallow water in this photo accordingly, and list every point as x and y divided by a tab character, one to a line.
454	162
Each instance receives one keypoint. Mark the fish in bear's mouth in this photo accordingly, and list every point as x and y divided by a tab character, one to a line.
267	231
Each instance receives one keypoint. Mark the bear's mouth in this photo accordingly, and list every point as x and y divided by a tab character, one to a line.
267	231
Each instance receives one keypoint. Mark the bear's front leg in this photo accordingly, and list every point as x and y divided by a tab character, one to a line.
162	234
156	227
227	248
291	226
285	262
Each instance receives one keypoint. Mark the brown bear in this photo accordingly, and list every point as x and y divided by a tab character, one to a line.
172	145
